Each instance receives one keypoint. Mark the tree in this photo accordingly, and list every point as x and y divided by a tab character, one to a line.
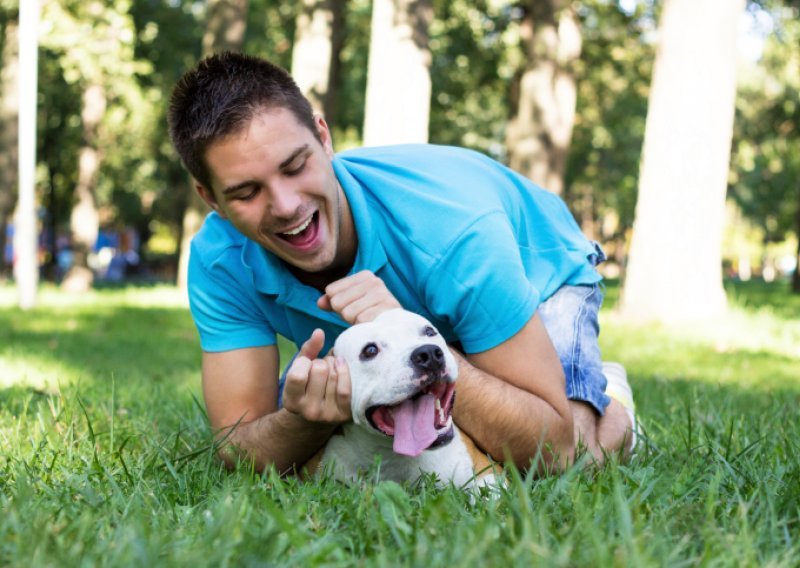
539	133
613	76
226	23
470	72
675	268
26	261
9	115
765	168
94	42
315	58
398	76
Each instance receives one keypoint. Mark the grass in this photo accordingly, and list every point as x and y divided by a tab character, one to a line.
106	458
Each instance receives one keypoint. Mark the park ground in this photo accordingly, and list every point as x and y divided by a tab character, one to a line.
106	457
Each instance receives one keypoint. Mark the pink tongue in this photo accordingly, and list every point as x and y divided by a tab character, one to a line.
414	431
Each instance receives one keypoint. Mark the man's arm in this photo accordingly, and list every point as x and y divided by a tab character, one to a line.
240	388
512	400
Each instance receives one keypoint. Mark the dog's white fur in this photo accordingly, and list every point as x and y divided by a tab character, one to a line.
384	377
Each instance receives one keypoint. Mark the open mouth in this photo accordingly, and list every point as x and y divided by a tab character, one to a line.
421	422
304	234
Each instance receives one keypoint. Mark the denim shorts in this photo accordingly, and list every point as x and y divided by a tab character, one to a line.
570	317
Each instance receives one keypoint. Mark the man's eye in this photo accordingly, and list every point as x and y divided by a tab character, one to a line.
429	331
246	195
296	171
370	351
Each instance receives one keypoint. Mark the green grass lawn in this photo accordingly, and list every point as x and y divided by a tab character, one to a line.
106	458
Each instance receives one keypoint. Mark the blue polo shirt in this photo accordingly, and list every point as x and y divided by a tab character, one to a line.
455	236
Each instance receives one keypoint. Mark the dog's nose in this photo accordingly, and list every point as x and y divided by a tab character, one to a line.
428	358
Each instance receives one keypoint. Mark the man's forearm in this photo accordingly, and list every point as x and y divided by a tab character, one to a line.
509	422
282	439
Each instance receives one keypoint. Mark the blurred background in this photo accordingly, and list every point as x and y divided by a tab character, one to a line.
558	90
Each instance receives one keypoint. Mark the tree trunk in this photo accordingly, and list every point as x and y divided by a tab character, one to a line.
84	220
675	269
398	75
9	115
318	40
225	28
796	277
26	258
540	131
339	8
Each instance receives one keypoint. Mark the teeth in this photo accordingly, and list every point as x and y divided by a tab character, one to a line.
299	229
437	405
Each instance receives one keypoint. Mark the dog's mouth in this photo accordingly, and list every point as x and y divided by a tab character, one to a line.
422	421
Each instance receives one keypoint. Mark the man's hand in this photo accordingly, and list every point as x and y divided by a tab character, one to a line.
358	298
318	389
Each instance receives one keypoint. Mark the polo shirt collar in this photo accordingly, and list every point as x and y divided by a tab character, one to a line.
371	254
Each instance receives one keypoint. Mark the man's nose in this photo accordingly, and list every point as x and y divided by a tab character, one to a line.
284	201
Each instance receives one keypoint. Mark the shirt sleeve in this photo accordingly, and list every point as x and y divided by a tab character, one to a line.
226	316
480	285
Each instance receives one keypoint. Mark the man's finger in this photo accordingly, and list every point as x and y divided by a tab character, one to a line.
317	381
348	282
343	386
324	303
313	345
331	385
296	383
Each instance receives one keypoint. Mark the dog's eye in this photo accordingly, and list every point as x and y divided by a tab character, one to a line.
429	331
370	351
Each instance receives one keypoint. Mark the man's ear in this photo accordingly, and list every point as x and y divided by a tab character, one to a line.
207	195
324	134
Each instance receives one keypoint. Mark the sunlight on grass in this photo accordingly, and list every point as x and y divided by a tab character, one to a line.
757	346
129	332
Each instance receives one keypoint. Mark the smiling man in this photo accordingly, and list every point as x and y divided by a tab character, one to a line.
303	242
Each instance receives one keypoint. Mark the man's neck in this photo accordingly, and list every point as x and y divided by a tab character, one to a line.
318	280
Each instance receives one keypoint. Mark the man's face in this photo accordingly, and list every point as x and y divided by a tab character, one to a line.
274	181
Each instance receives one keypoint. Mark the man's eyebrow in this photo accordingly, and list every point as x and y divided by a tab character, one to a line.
293	155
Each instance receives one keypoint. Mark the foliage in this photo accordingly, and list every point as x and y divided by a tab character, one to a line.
613	86
109	461
137	50
470	73
765	177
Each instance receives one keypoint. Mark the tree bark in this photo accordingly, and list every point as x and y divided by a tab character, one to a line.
796	276
84	220
315	56
26	261
226	24
540	131
398	74
675	268
9	139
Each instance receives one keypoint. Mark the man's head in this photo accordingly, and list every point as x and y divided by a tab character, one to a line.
220	96
263	161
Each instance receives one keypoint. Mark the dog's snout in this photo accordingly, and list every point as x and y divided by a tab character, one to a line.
428	358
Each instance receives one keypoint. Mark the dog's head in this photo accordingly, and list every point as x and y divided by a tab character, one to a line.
403	376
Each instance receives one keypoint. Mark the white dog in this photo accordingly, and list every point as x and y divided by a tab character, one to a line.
403	385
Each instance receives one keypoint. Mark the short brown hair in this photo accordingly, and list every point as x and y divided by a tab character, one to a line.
220	96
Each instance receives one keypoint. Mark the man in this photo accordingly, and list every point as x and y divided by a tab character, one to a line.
303	242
